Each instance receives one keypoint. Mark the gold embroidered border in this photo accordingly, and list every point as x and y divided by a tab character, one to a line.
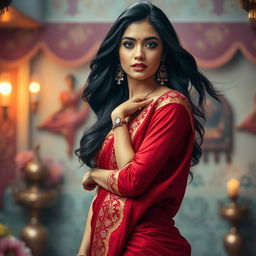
138	121
120	204
181	101
109	219
112	182
112	160
106	140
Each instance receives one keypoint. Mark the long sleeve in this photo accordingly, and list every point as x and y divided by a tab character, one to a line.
169	128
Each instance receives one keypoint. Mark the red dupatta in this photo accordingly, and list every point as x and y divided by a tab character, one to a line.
162	136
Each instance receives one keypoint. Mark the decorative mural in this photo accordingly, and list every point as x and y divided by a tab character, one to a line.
176	10
69	117
249	123
74	44
218	136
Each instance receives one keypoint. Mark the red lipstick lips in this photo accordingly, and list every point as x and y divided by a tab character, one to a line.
139	66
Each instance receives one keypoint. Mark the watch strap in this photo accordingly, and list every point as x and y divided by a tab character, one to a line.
119	123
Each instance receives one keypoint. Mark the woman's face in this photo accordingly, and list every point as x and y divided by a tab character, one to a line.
140	51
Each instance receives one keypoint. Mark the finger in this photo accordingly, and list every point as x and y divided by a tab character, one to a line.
90	186
138	99
88	183
86	187
144	103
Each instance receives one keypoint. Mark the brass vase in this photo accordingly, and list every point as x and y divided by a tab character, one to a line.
233	241
36	171
30	191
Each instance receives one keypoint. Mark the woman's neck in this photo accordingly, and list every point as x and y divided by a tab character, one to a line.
141	88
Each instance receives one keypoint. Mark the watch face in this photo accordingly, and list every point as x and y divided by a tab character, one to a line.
117	120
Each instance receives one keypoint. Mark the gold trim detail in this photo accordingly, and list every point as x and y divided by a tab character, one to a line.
112	182
180	100
106	140
138	121
109	219
113	163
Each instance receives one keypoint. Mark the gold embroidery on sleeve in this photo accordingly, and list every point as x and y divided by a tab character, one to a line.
112	181
176	97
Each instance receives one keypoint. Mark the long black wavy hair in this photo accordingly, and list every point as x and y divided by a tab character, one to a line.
104	95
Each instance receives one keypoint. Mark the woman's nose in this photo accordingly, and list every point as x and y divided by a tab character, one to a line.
139	54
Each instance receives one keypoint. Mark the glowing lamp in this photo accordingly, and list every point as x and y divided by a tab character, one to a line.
5	96
6	16
34	89
232	187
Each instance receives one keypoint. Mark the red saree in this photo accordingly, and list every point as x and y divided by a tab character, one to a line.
134	217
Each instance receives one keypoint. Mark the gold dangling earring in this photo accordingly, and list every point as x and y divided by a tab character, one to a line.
119	75
162	75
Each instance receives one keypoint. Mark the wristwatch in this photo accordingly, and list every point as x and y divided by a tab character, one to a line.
118	121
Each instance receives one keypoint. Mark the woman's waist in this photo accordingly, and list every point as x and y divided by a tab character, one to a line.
157	216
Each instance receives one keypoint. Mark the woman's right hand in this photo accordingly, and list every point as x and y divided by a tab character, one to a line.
87	182
130	106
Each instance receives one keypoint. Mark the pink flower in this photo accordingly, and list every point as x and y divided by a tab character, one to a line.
14	246
23	158
55	173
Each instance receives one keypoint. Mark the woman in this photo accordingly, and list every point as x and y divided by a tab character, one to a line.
139	86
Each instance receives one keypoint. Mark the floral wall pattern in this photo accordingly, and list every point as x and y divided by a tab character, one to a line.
177	10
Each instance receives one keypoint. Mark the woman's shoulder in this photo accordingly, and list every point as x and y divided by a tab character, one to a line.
168	96
175	101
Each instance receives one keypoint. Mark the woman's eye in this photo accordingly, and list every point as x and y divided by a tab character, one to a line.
128	45
151	45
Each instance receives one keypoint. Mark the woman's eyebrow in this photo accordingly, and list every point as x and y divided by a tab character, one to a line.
145	39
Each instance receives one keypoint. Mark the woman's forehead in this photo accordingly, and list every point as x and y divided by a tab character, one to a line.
140	30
